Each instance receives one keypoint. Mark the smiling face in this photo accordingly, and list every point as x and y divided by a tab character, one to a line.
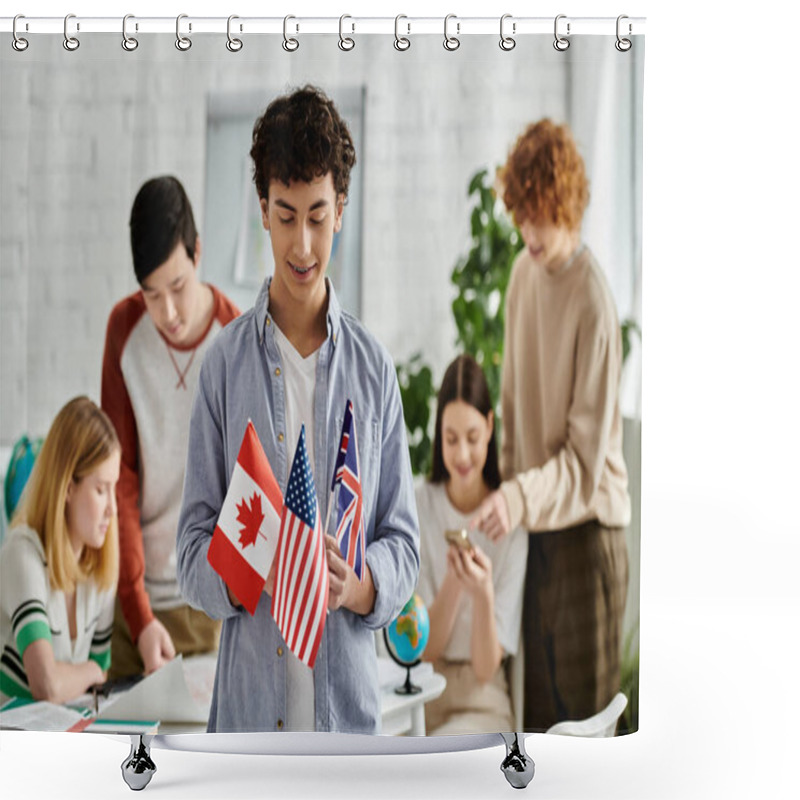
91	505
173	296
550	246
465	440
301	219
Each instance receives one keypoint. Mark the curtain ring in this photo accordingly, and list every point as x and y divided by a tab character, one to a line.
401	43
70	43
451	43
289	44
560	43
507	42
183	43
346	43
18	43
233	44
623	45
129	43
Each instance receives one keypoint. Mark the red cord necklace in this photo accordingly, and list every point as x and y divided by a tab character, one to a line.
181	372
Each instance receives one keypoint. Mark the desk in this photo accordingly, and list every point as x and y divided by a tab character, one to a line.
400	714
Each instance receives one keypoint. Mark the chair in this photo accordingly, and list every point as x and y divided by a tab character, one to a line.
601	725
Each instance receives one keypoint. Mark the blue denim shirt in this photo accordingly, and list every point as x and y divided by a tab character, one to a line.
239	380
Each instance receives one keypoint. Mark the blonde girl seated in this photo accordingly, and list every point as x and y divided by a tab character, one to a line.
473	593
59	563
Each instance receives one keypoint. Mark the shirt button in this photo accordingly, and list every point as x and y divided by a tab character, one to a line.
269	322
280	437
280	652
277	371
280	724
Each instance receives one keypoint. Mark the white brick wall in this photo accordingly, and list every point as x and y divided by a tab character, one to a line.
80	132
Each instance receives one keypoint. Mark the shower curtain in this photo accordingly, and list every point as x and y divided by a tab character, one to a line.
423	261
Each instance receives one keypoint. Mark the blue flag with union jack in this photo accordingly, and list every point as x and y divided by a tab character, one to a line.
350	506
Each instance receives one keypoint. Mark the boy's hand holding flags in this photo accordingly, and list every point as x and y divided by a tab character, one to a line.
255	523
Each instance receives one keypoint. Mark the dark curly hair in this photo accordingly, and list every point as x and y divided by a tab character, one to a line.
544	178
301	137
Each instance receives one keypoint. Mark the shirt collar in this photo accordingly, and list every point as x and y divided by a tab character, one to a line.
334	316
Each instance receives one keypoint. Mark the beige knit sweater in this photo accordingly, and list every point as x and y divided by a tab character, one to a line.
562	427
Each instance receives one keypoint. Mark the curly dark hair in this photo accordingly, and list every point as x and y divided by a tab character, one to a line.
301	136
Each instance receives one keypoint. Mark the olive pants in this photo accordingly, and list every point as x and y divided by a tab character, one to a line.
576	586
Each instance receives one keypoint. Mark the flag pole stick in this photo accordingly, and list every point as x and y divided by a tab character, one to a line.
328	513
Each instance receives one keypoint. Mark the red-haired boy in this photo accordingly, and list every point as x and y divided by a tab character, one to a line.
565	477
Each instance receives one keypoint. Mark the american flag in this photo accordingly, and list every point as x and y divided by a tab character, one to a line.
350	526
300	596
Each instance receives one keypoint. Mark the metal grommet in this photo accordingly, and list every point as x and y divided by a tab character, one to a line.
289	44
507	42
70	42
233	44
129	43
18	43
346	43
401	43
560	43
451	43
183	43
623	45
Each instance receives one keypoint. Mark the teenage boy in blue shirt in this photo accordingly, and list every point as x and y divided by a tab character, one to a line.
292	360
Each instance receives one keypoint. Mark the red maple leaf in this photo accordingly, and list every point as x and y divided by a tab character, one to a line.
251	518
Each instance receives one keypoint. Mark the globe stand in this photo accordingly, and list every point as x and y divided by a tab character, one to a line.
408	687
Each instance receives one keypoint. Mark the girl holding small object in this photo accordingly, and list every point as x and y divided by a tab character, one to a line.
471	585
60	562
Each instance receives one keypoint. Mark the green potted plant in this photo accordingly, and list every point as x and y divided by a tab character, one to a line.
481	277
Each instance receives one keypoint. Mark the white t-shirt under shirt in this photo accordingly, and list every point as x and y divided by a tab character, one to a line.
508	556
299	380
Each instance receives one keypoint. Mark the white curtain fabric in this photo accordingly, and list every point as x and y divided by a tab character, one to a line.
606	113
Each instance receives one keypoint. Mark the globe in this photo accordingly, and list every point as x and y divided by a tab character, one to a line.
19	469
406	638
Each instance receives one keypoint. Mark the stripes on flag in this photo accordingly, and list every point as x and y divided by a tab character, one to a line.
300	597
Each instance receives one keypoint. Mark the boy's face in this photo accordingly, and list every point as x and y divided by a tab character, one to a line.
301	219
172	295
548	245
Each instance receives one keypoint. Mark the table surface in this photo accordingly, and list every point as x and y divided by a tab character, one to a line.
400	714
398	710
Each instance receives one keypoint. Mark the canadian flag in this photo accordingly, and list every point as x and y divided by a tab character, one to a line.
246	535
